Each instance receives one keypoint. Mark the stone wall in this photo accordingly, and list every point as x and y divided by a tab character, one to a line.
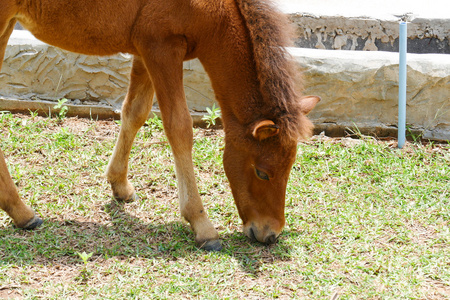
361	88
343	33
35	70
357	87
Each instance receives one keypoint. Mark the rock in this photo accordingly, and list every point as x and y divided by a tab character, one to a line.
361	88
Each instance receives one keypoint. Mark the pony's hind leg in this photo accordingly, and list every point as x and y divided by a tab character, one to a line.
22	215
135	110
165	65
6	29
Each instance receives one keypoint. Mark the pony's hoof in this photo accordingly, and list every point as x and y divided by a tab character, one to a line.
132	198
33	223
214	245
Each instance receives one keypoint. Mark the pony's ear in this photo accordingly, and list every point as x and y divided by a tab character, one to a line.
307	103
265	129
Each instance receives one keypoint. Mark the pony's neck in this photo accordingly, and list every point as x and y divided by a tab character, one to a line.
228	59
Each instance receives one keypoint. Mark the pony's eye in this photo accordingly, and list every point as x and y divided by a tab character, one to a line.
261	175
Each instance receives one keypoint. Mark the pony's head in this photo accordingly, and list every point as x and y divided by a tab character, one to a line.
257	160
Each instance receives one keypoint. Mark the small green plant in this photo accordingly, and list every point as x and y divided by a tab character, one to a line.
212	115
152	126
155	123
85	273
417	137
33	114
85	257
62	109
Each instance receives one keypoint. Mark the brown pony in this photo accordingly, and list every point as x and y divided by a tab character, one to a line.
241	45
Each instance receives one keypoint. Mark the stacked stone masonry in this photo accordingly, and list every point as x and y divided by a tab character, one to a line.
342	33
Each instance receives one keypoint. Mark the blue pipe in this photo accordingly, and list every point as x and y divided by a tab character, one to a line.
402	86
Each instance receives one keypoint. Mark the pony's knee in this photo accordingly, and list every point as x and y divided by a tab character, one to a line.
178	128
135	112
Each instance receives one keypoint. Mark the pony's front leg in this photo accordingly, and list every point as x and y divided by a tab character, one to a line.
23	216
135	111
165	65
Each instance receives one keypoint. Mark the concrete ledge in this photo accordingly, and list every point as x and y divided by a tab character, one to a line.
95	112
46	108
33	69
357	88
361	88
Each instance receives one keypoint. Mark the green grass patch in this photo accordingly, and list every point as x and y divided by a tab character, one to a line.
364	220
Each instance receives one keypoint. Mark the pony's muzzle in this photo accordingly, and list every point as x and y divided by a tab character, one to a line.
264	235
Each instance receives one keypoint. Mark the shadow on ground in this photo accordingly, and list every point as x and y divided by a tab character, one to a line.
124	236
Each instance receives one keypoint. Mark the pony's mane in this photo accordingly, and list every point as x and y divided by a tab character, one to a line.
270	34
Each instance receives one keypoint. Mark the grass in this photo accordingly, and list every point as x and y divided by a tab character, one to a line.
364	220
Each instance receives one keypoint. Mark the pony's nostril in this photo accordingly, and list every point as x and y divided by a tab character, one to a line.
271	239
252	235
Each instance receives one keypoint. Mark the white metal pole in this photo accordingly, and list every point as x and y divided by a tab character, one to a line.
402	85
